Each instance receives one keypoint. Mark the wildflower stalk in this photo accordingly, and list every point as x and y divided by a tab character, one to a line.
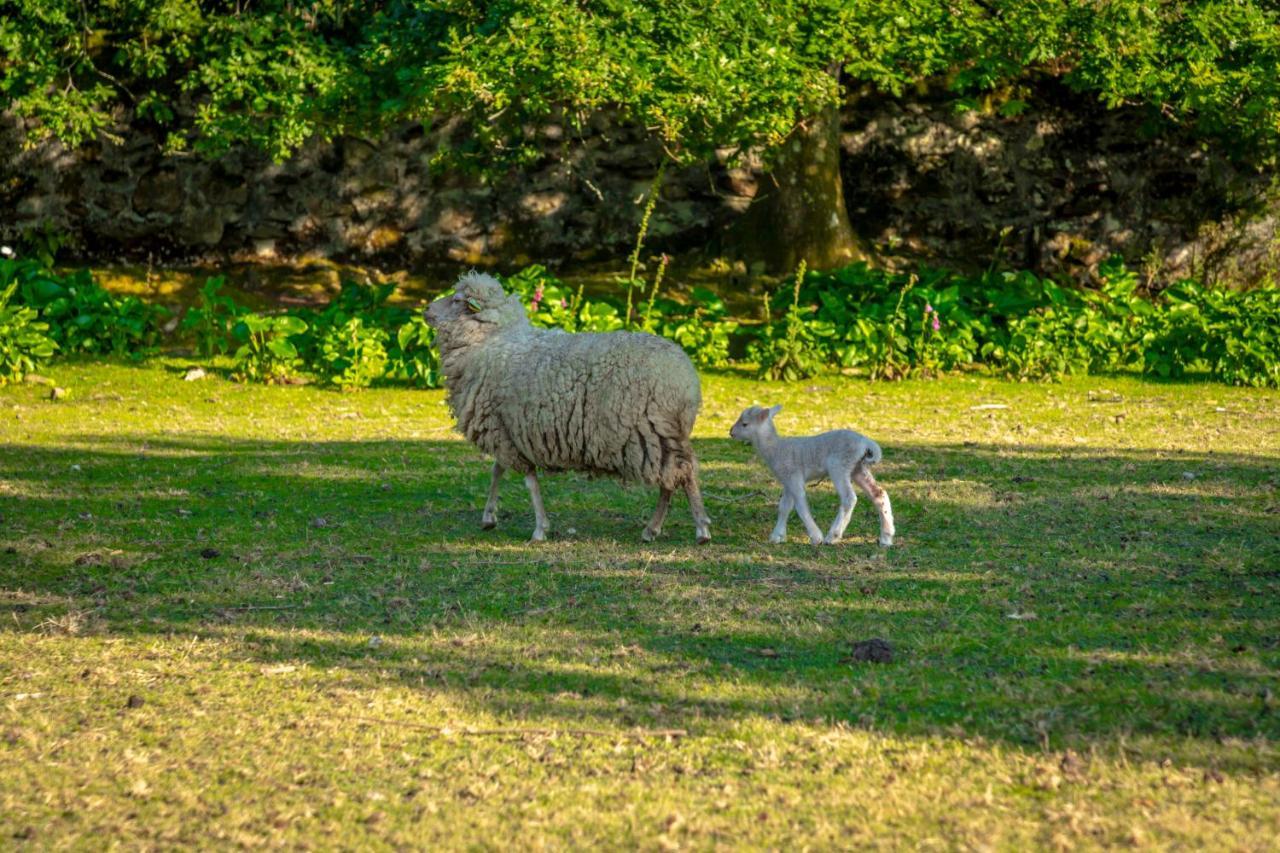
794	320
640	235
647	324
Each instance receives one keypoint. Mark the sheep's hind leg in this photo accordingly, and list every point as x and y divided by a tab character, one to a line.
880	498
540	523
653	529
701	522
848	497
490	518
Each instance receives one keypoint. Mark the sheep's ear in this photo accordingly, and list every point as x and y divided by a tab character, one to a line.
774	410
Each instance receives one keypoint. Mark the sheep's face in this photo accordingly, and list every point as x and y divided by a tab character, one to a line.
752	421
476	309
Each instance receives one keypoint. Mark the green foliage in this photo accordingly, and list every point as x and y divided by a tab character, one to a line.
81	315
351	355
412	356
1023	326
791	349
736	73
1235	337
887	325
551	304
702	327
23	342
213	318
266	353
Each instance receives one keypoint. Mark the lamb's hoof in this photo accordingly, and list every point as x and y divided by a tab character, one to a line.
775	539
704	538
488	524
648	535
829	540
886	541
538	536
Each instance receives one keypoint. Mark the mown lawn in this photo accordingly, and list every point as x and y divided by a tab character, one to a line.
238	615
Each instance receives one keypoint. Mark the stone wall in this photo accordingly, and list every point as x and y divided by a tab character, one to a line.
1066	182
1058	188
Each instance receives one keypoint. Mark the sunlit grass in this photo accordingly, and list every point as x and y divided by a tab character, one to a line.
239	615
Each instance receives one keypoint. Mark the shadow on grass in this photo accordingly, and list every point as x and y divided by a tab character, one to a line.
1038	595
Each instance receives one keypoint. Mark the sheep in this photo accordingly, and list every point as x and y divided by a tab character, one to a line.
619	403
841	455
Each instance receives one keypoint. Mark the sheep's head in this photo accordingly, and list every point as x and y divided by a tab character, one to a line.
477	308
752	420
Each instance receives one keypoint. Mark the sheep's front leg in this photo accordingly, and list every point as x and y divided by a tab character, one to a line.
785	503
880	498
840	479
802	510
540	523
490	518
654	528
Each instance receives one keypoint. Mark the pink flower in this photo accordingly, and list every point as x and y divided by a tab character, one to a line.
537	298
928	309
936	324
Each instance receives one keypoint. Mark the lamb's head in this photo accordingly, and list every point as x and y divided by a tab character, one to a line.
752	421
477	309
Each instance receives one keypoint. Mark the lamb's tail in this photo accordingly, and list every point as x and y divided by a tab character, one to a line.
872	455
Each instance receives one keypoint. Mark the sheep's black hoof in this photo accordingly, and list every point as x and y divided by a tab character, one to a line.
703	540
488	525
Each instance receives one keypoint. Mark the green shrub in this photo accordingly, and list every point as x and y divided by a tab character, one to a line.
267	354
212	320
792	348
23	342
351	355
81	315
1235	337
412	356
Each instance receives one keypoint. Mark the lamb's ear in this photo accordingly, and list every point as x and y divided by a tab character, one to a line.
774	410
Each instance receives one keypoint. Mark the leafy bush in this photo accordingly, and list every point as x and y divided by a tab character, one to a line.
81	315
212	320
352	355
413	356
1235	337
23	342
1025	327
791	349
267	354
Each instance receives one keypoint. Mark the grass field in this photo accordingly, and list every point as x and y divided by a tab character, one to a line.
237	615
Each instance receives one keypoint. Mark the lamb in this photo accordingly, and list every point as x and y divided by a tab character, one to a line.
620	403
842	455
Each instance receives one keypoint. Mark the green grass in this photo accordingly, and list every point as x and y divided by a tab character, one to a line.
237	615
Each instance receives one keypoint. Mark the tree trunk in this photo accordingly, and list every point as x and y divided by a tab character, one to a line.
799	212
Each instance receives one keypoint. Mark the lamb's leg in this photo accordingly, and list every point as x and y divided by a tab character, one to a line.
654	528
540	523
802	510
840	479
785	503
701	523
879	497
490	518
